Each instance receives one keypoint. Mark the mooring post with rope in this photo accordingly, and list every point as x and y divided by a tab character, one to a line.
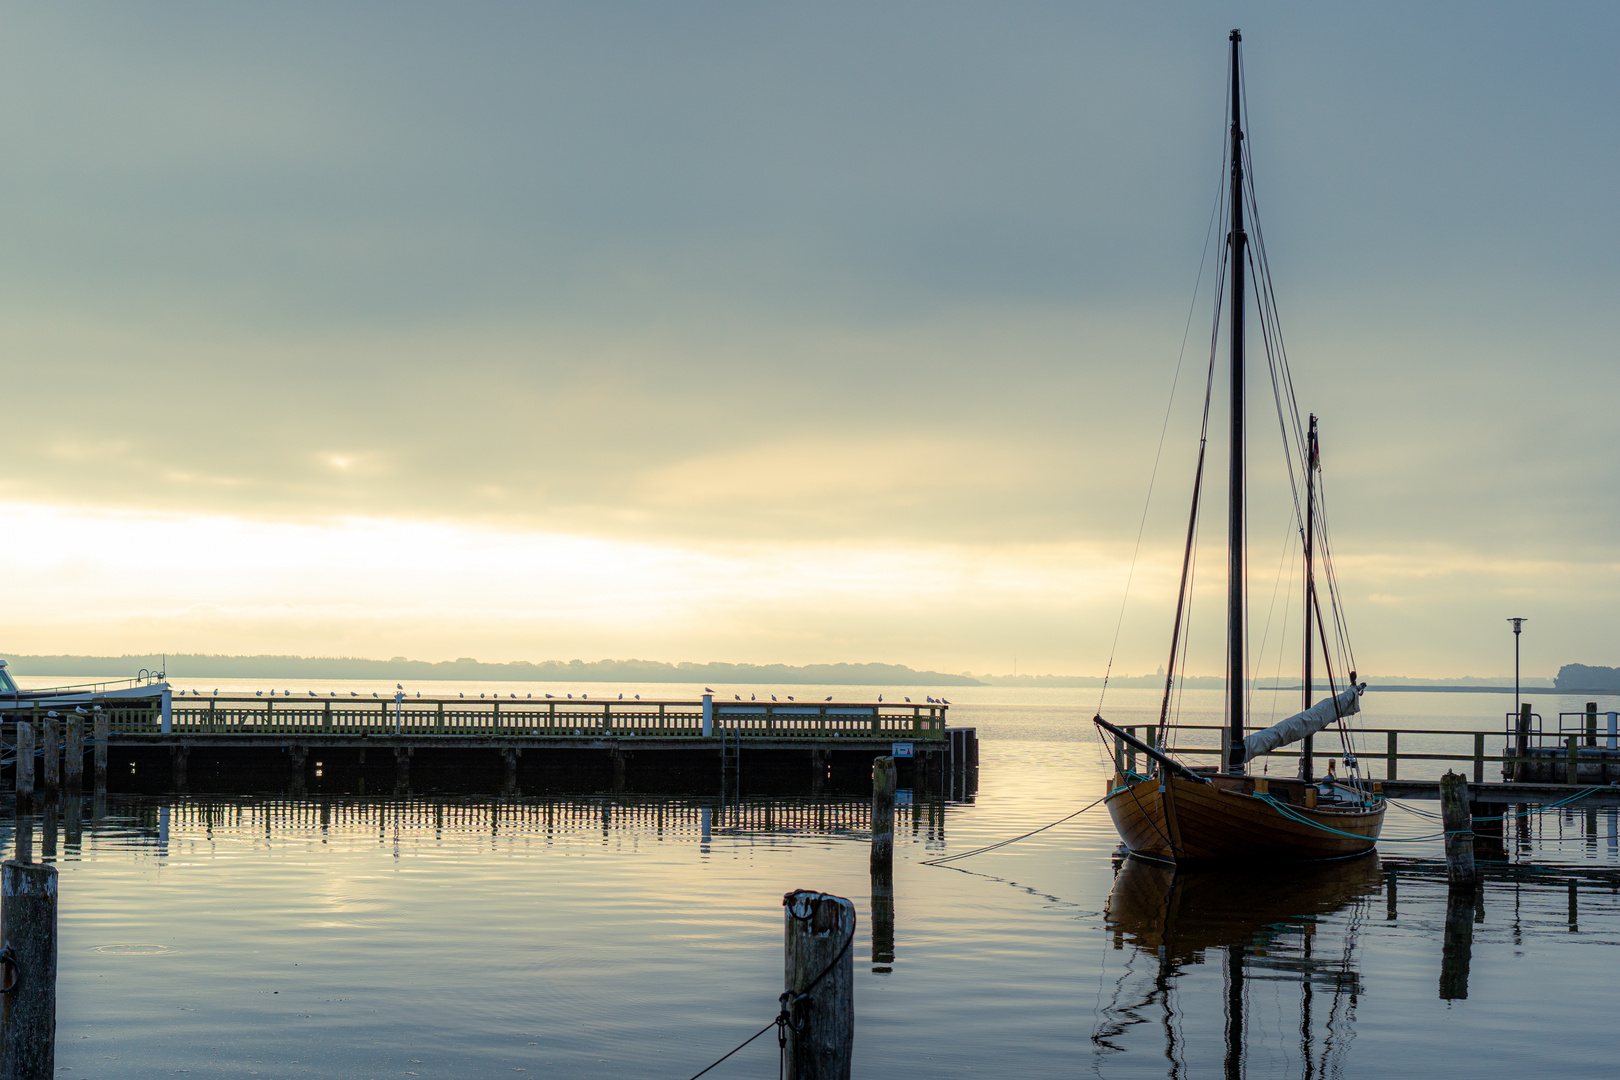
25	766
1458	823
818	996
28	971
883	783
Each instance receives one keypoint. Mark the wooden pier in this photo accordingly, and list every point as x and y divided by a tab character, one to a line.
241	742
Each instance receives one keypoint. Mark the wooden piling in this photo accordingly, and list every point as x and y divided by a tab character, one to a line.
1459	828
50	746
28	1012
25	765
73	759
1572	761
1591	723
103	736
819	985
883	782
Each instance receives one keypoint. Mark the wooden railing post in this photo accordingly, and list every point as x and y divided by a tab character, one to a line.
326	716
438	719
819	985
1392	756
1591	723
1479	757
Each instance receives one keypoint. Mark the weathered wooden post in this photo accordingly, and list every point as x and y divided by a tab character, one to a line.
103	734
882	861
28	1011
1591	723
73	760
25	765
1459	827
50	747
883	782
819	985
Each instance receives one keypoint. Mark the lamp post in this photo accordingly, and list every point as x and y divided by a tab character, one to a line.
1517	623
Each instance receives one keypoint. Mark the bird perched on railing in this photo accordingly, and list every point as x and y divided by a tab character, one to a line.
312	693
880	699
258	693
708	689
829	698
548	695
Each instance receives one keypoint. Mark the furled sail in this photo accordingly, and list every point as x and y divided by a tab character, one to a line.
1299	725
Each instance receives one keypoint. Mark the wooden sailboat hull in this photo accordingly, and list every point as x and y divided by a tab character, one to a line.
1193	822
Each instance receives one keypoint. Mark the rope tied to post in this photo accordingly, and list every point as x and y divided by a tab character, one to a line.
789	1019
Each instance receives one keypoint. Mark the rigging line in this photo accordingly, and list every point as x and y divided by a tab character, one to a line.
1164	429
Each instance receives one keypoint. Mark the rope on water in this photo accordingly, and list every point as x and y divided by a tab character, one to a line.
1003	843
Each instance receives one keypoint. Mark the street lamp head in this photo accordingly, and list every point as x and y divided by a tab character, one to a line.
1517	622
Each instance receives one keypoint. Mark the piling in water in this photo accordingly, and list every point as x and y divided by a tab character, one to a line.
103	734
25	765
882	812
1457	948
73	759
1459	827
50	746
28	1012
819	985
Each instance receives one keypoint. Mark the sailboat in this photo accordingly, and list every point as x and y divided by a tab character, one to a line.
1171	812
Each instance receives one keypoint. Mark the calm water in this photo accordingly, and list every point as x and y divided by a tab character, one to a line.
258	936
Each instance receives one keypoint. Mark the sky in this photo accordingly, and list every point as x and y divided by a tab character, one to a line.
795	333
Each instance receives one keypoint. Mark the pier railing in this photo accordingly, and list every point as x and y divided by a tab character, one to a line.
1573	754
243	714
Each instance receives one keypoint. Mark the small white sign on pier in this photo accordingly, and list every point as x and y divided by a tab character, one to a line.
900	749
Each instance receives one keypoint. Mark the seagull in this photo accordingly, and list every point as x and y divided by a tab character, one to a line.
773	697
570	697
460	695
944	701
790	697
621	697
548	695
480	695
331	693
258	693
419	693
708	689
354	693
908	701
375	694
584	697
81	710
528	695
216	691
638	697
751	697
880	699
312	693
829	699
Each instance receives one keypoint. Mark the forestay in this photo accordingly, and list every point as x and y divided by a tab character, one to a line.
1299	725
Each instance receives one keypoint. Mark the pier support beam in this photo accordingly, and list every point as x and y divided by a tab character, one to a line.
819	935
297	757
28	1012
73	760
1459	827
402	770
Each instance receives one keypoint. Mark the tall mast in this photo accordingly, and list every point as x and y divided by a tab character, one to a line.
1306	765
1236	683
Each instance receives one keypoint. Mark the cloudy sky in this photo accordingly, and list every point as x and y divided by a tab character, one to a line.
791	333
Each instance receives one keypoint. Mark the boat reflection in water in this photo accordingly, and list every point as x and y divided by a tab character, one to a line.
1277	928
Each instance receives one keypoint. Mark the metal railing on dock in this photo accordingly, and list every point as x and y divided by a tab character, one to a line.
1570	755
255	715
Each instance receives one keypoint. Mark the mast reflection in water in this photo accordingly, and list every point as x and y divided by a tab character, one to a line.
1291	933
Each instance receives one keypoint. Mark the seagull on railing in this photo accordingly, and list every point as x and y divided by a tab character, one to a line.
550	695
258	693
354	693
908	701
773	697
880	699
584	697
751	697
312	693
638	697
943	701
829	698
461	695
621	697
375	694
790	697
399	686
570	697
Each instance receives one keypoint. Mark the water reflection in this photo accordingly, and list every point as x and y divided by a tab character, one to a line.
1267	926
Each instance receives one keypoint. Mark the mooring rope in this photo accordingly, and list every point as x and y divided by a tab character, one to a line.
1003	843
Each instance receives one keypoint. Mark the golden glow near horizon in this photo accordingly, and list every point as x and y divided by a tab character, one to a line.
788	335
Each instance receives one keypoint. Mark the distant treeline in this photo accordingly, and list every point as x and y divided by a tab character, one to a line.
1583	678
195	666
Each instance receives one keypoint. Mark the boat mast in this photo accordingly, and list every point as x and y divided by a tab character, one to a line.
1236	683
1306	765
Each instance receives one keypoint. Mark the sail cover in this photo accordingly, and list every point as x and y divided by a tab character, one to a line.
1299	725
